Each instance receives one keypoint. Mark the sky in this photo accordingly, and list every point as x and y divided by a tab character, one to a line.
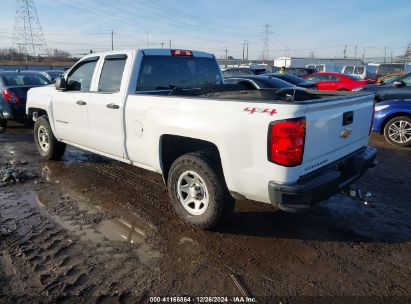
296	27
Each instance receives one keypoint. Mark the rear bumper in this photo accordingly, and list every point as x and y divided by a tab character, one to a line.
323	183
9	112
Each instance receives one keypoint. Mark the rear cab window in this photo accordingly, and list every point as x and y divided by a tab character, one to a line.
160	72
112	73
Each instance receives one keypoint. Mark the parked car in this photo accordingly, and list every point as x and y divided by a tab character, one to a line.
389	68
392	118
389	77
13	93
360	71
210	147
400	88
232	72
258	82
336	81
300	72
52	74
295	80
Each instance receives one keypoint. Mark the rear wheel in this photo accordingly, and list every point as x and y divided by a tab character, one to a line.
397	131
197	190
47	145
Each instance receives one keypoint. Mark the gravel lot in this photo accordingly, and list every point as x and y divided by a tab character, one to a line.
92	229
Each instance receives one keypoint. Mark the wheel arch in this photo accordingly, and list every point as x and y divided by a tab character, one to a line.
34	112
173	146
391	116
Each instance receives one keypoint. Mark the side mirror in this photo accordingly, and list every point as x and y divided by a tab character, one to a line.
60	84
399	84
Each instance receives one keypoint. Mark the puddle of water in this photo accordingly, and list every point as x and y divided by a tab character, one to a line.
120	229
129	228
117	229
42	200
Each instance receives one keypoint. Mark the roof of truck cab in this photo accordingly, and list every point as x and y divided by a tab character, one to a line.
148	52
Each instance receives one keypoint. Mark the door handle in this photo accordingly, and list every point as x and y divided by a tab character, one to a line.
113	106
81	102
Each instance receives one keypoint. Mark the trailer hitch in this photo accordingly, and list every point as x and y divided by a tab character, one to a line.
358	195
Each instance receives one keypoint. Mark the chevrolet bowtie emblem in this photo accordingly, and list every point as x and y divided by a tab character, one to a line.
345	133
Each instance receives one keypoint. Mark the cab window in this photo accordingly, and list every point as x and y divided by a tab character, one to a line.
80	77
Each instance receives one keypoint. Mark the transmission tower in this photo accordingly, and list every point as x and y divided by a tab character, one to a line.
266	48
28	37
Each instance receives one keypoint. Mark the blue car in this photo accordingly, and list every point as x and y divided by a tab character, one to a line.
393	119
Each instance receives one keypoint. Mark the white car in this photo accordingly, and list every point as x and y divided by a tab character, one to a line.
168	111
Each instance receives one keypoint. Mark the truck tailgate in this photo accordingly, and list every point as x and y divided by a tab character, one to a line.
336	128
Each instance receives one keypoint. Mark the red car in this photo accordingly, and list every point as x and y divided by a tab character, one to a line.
336	81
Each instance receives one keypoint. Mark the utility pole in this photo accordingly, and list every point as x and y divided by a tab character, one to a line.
28	37
247	51
355	52
243	50
169	43
363	55
162	45
112	40
345	51
391	57
287	52
385	54
226	57
147	38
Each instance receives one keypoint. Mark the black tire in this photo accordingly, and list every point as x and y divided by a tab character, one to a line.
208	168
395	122
55	148
3	124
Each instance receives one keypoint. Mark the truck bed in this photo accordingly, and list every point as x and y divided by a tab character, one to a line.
240	94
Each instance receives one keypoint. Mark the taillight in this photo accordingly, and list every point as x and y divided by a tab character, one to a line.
10	96
286	142
181	53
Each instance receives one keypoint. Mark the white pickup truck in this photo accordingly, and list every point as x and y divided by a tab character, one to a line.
168	111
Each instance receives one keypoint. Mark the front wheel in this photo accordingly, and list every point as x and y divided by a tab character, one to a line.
47	145
397	131
197	190
3	124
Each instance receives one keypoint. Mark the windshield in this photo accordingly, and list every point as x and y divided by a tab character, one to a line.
186	72
390	78
273	82
16	79
54	74
289	78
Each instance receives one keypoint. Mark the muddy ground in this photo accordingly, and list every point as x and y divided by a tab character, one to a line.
89	229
